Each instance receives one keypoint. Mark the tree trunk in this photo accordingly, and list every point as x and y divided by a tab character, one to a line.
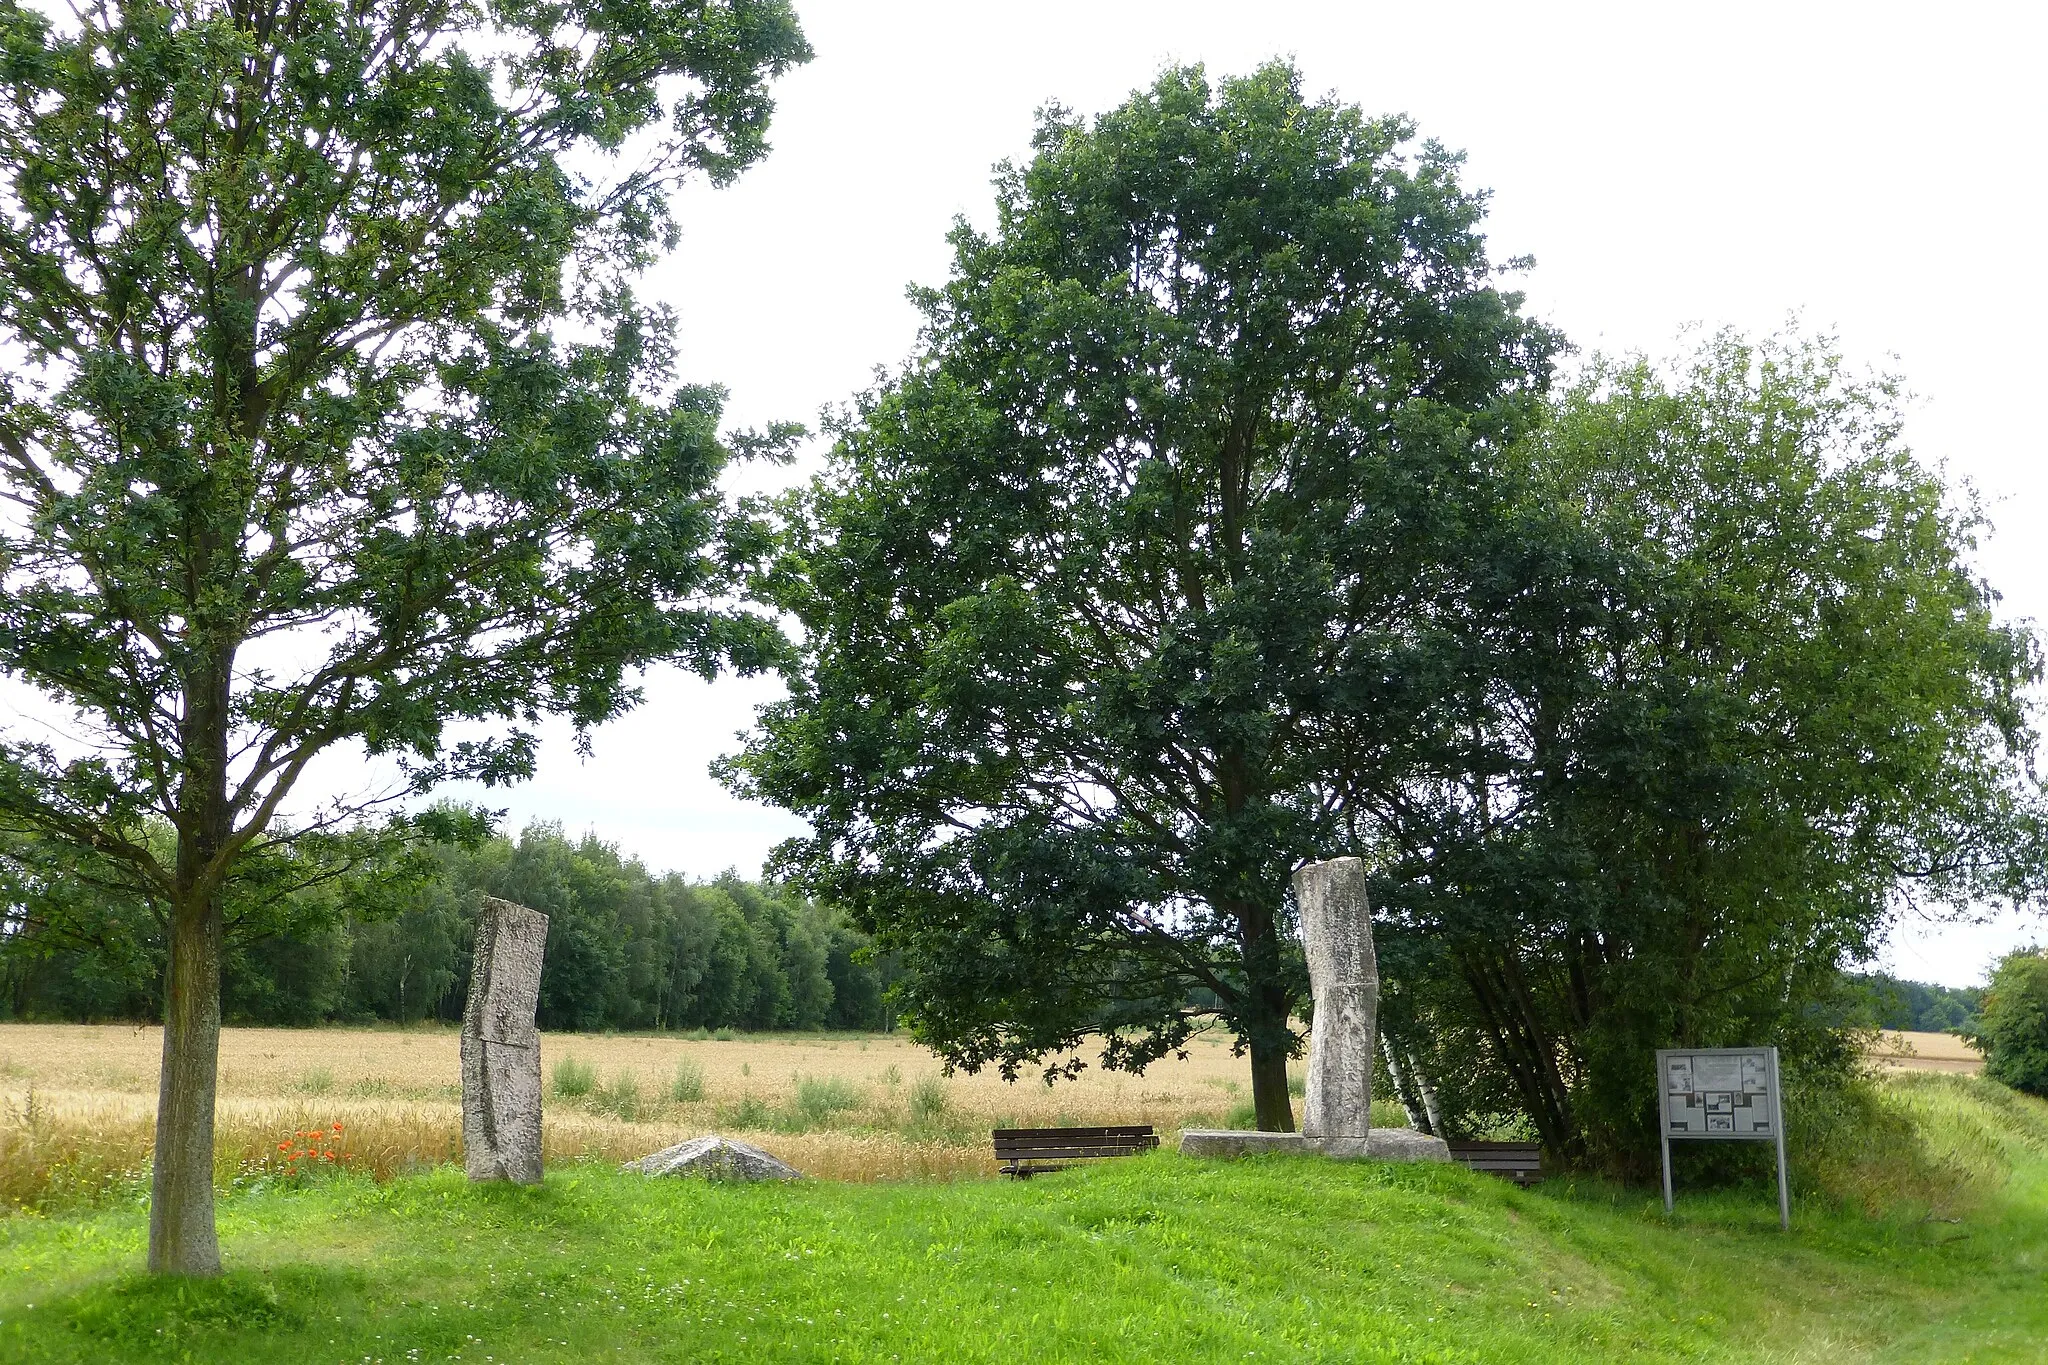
1419	1116
1523	1047
182	1239
1263	1021
1269	1087
1429	1104
181	1232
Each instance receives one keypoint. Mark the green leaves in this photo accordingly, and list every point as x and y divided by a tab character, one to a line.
1117	594
1780	710
331	384
2013	1028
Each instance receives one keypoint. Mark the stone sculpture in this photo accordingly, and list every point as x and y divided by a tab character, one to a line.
1336	1118
720	1158
501	1048
1336	932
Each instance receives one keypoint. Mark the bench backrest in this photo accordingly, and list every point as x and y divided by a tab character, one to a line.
1516	1160
1071	1144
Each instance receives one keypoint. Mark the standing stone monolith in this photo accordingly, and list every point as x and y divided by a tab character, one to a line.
1336	931
501	1047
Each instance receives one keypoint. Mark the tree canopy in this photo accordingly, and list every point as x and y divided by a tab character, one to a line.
1790	713
332	418
2013	1031
1127	594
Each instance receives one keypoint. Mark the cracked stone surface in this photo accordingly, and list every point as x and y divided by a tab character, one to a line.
1343	973
720	1158
501	1090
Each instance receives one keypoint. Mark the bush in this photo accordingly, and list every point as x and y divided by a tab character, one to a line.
2012	1026
573	1079
818	1100
751	1114
621	1098
688	1085
928	1100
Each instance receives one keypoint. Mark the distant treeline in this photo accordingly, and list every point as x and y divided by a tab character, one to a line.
1891	1003
627	949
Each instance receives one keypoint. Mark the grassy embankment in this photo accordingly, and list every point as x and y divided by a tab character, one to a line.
1153	1258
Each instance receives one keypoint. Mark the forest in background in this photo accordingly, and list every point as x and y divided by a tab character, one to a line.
1891	1003
627	949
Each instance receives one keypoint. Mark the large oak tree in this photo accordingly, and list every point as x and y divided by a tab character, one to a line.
1174	521
331	418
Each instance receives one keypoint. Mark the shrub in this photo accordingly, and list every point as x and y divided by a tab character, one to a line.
751	1113
574	1079
928	1100
2012	1024
687	1087
817	1100
621	1098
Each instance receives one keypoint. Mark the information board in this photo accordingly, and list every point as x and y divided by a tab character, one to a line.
1720	1093
1726	1094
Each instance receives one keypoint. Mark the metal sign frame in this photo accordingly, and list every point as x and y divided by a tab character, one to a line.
1767	1057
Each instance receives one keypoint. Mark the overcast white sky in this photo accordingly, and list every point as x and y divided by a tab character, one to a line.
1877	169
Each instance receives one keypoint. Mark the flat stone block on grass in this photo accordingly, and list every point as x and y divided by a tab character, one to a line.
1383	1144
719	1158
1405	1144
1235	1142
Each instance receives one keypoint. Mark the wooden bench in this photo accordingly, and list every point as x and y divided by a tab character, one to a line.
1521	1162
1024	1152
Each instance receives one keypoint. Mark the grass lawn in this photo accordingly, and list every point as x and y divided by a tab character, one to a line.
1148	1259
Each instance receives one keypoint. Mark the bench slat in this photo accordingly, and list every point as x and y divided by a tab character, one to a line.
1066	1153
1025	1134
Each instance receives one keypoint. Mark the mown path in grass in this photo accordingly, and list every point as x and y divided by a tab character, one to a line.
1151	1259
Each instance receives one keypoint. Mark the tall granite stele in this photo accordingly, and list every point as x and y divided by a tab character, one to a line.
501	1047
1343	975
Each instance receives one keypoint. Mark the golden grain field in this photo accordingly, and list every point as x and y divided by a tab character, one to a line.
78	1102
1899	1050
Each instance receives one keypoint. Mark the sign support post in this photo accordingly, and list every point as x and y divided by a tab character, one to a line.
1667	1170
1784	1190
1724	1094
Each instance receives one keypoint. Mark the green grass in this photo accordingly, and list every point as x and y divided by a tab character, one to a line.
1152	1258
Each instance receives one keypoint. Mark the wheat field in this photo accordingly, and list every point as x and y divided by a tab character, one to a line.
78	1102
1899	1050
